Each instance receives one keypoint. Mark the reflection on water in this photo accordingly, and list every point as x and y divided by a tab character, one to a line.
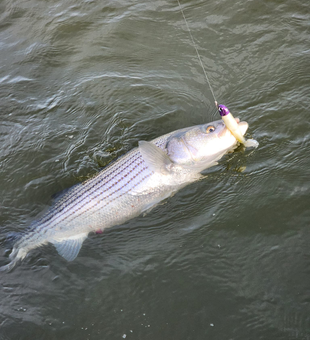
226	257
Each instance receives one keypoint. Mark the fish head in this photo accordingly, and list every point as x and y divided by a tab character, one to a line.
202	145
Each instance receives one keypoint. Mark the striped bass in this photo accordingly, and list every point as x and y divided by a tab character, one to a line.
127	187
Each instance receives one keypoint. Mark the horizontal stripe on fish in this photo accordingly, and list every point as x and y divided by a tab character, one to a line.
78	198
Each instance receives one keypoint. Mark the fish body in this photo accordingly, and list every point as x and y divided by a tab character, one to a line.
127	187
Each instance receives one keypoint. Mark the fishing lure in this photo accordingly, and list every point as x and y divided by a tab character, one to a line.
233	127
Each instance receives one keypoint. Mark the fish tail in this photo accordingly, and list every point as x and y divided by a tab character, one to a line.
19	251
8	267
15	256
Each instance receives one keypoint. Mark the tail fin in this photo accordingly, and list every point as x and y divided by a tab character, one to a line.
15	256
9	240
8	267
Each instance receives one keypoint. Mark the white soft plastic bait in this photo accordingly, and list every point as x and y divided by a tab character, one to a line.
233	127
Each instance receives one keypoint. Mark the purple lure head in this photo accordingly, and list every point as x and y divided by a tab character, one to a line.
223	110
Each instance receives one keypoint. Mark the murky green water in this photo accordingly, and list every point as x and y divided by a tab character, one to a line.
226	258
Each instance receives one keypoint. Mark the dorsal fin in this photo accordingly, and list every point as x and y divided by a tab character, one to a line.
70	247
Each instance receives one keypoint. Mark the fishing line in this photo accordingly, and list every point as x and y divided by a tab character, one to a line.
198	55
227	117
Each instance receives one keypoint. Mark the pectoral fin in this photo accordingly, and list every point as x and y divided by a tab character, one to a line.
155	158
70	247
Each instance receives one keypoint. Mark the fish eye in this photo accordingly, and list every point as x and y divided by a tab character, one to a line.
210	128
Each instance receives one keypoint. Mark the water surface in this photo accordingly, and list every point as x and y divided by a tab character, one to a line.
225	258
